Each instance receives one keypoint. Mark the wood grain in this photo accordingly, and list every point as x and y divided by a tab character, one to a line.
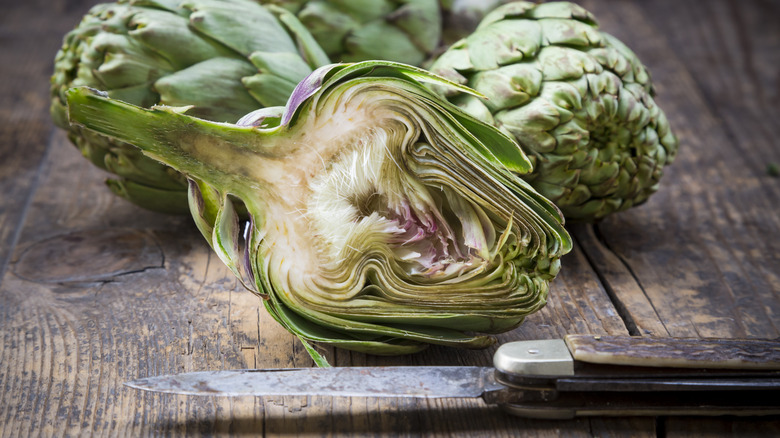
28	42
696	353
700	259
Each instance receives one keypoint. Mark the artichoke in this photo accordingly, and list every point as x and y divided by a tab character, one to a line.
223	58
380	218
576	99
406	31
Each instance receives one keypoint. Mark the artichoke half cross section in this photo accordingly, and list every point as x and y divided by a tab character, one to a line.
382	219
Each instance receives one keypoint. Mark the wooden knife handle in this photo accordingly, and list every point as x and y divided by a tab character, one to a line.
754	354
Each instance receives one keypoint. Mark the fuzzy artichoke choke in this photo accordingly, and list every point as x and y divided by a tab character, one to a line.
577	100
381	218
223	58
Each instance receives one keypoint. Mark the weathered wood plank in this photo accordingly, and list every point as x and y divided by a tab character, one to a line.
29	42
630	300
733	61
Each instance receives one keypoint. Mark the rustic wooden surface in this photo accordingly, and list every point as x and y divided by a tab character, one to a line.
94	291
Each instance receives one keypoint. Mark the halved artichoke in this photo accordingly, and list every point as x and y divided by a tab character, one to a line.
381	218
577	100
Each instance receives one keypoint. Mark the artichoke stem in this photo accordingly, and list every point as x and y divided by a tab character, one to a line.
230	157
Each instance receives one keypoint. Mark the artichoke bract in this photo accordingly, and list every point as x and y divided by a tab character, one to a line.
406	31
576	99
380	218
222	58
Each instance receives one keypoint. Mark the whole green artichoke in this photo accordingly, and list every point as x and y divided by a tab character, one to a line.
220	58
406	31
380	217
576	99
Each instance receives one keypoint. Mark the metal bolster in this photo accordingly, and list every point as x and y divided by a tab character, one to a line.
546	357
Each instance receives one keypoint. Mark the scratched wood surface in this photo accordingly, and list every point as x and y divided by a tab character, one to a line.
94	291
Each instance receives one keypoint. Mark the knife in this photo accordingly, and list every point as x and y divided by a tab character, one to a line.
580	375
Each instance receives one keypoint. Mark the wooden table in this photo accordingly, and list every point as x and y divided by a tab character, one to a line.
94	291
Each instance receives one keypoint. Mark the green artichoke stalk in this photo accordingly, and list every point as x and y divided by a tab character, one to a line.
223	58
381	218
576	99
406	31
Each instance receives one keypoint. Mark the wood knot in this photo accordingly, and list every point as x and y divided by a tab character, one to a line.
88	256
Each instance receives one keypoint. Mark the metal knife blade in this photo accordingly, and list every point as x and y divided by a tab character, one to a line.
421	381
581	375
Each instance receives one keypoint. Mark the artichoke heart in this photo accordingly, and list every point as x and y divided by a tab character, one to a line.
381	218
577	100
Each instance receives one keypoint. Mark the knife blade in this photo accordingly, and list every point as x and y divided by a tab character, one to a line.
419	382
561	378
